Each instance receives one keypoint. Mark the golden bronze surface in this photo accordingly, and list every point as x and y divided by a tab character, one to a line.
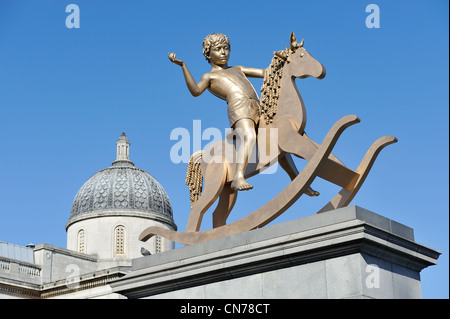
282	110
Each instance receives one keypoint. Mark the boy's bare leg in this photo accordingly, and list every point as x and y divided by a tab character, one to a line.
288	165
246	133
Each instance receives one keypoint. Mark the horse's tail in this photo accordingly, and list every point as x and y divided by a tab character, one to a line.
194	177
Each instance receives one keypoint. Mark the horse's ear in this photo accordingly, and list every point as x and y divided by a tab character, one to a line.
293	41
300	44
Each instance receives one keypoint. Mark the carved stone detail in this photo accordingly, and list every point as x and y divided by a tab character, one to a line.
122	187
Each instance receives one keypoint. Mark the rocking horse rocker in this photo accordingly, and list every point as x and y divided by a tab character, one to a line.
283	111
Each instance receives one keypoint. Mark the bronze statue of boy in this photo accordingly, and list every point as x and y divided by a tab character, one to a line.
231	84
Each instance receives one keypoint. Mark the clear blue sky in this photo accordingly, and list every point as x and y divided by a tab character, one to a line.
66	95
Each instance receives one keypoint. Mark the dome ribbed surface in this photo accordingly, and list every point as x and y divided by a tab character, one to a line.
122	187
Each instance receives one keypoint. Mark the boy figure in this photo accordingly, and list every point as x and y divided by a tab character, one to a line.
230	84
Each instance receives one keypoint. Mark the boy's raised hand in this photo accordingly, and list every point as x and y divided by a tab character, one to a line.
173	59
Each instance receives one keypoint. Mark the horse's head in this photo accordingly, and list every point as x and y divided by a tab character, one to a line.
286	65
300	63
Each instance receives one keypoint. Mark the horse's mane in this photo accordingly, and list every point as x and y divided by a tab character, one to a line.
270	89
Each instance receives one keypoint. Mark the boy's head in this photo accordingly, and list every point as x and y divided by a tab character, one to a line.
213	40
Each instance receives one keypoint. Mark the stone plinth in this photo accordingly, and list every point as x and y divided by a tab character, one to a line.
345	253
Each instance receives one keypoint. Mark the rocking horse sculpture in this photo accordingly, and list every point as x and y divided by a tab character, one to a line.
283	112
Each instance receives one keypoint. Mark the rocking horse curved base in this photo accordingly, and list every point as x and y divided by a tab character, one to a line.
274	207
345	196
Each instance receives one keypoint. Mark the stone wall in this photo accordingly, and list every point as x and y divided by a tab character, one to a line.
346	253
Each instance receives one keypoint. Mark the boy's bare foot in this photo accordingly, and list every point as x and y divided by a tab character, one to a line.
311	192
240	184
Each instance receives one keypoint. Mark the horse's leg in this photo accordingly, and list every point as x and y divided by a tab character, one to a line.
214	177
345	196
291	141
298	144
331	156
286	163
226	203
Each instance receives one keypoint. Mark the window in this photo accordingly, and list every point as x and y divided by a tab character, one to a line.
119	240
158	244
81	247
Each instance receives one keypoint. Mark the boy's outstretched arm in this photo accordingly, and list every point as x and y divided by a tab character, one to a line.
195	88
252	72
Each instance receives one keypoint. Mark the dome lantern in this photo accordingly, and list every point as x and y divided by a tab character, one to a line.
123	151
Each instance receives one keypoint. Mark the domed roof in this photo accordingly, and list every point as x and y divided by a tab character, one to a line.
122	189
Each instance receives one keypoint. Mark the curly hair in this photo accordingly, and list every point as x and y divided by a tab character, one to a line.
212	40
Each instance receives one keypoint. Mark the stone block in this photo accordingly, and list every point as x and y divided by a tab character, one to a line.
345	253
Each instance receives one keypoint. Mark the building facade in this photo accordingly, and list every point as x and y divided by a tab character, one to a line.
108	213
